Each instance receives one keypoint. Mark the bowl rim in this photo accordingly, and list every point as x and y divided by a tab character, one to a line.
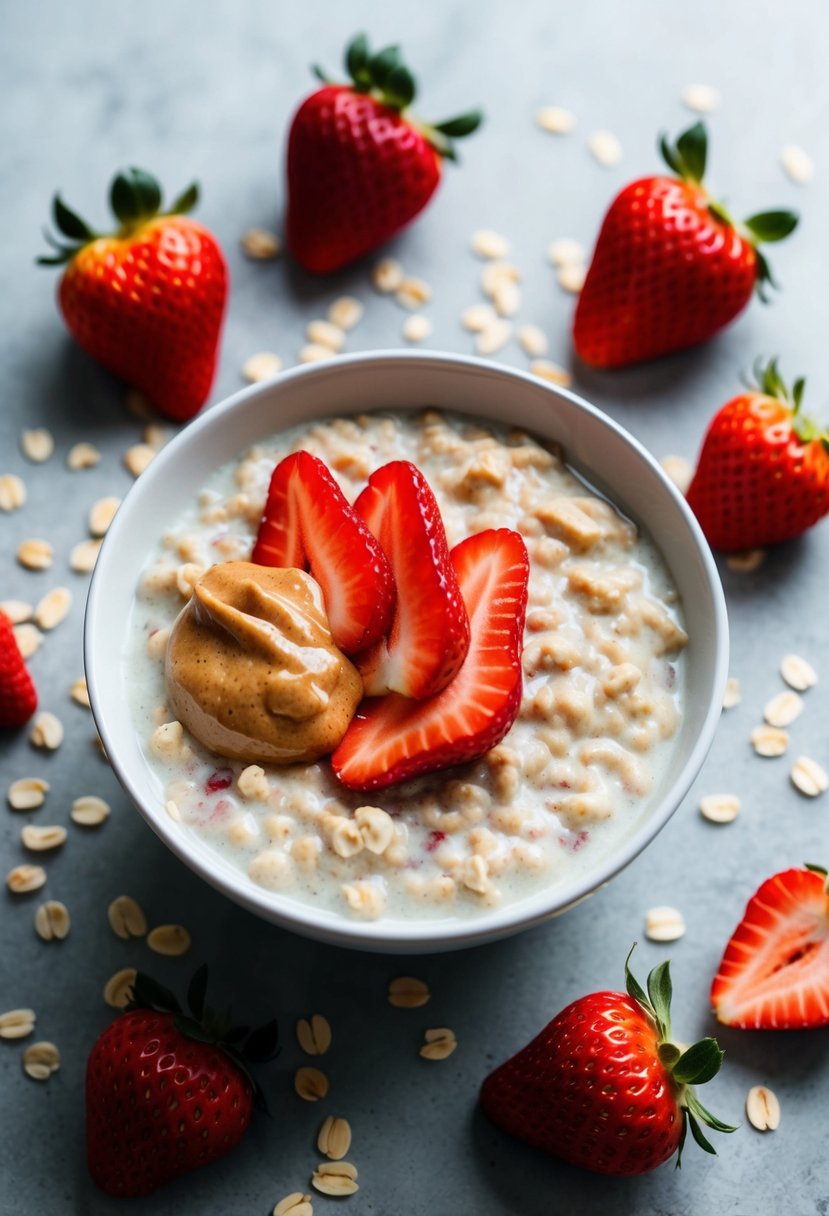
402	934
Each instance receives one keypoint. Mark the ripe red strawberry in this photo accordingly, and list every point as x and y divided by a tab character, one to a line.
670	267
429	634
148	301
166	1092
393	738
18	698
774	974
763	472
603	1087
360	165
308	522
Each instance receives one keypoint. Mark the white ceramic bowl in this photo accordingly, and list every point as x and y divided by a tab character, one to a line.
611	460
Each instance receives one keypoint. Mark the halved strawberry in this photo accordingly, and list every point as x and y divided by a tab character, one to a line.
393	738
774	974
18	698
429	634
308	523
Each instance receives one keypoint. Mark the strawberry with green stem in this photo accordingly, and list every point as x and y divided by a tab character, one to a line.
360	164
147	301
671	267
763	472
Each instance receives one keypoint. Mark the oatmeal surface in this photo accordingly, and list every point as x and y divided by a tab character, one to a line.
601	705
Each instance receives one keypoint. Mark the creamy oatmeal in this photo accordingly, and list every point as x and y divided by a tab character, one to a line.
601	703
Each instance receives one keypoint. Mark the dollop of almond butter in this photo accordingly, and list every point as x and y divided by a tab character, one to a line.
251	668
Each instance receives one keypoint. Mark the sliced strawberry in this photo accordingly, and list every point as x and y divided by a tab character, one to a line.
774	974
18	698
308	523
393	738
429	634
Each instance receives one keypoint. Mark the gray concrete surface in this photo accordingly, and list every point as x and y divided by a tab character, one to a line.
206	91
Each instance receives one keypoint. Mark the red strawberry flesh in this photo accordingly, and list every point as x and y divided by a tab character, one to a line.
18	698
393	738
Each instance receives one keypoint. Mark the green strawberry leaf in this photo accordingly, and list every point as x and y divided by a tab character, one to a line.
381	65
147	993
262	1043
462	125
769	226
186	201
69	223
669	155
356	59
692	149
632	985
699	1063
816	869
192	1029
134	195
696	1132
694	1105
399	87
660	991
797	396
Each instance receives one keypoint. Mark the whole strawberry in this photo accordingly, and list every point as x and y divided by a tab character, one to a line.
603	1087
360	164
147	301
18	698
670	267
763	472
167	1092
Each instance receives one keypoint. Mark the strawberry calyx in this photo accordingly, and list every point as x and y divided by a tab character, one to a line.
687	1066
767	380
687	158
386	78
135	198
241	1044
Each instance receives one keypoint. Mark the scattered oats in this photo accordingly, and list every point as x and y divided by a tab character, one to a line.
494	337
126	918
809	777
261	245
679	470
335	1178
533	341
35	554
545	369
439	1044
664	924
310	1083
82	456
478	317
102	514
89	811
798	164
555	119
27	794
37	445
507	298
138	458
489	244
783	709
387	276
40	1060
495	274
406	992
334	1139
28	638
138	405
412	293
172	810
325	333
314	1037
567	251
797	673
769	740
746	563
732	695
314	353
605	147
253	783
40	838
17	1023
762	1109
118	988
83	557
46	731
416	327
156	436
571	277
53	608
376	828
295	1204
701	98
345	312
12	492
720	808
17	611
172	940
80	693
52	921
23	879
